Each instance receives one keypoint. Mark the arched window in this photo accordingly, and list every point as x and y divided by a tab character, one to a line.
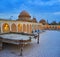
13	28
19	27
28	28
5	27
24	28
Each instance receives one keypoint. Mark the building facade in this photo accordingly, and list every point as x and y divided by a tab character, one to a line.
51	27
46	25
24	23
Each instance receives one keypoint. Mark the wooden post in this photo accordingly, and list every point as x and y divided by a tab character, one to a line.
38	39
21	53
21	48
0	43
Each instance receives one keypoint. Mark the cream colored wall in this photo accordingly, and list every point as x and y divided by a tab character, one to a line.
27	29
51	27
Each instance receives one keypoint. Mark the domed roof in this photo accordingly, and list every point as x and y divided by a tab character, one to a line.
42	20
34	20
24	14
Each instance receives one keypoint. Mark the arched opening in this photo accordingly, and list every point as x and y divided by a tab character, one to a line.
40	27
13	28
28	28
19	27
58	27
24	28
37	27
34	27
5	27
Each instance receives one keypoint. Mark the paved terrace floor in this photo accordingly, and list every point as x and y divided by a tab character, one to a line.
49	47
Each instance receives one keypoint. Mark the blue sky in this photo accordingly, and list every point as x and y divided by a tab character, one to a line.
41	9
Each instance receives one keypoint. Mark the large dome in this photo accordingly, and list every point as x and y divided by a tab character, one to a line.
24	14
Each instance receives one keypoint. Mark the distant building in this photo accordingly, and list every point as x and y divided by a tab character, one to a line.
43	22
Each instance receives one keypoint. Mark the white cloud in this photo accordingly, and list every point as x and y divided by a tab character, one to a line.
52	13
56	13
40	2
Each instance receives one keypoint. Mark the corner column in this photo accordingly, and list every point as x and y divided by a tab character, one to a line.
10	27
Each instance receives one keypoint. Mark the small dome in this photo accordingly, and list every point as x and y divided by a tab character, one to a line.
24	14
43	21
34	20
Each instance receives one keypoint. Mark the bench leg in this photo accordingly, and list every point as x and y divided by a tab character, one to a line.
0	45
